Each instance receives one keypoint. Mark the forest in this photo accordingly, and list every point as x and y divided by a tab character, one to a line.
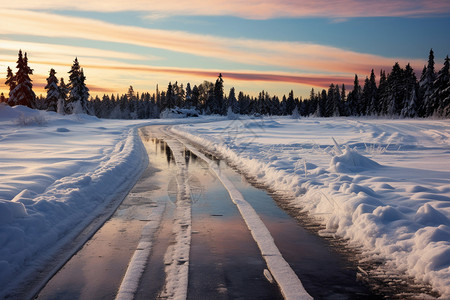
397	94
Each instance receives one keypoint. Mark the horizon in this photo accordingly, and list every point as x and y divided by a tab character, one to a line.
272	46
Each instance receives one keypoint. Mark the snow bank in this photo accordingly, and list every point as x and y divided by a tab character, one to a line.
55	178
387	190
350	161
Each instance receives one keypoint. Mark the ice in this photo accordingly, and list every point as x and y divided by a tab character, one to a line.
290	285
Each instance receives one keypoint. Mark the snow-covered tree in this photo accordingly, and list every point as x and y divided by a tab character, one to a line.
410	103
426	87
188	95
395	91
22	94
63	92
216	103
77	101
440	99
53	93
369	95
382	94
10	80
232	101
195	97
354	98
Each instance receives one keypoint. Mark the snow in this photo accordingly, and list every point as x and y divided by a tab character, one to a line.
136	267
382	184
177	255
57	174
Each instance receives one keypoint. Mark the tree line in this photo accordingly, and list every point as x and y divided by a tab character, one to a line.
397	94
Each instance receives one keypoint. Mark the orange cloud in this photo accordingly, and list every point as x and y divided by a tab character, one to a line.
251	9
299	57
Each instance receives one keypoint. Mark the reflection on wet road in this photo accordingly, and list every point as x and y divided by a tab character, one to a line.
224	261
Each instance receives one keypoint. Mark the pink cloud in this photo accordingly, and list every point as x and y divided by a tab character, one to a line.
299	57
251	9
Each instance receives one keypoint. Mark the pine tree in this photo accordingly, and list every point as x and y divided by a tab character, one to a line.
440	99
217	100
63	92
410	103
395	90
232	101
343	109
382	94
195	96
290	104
130	93
354	99
53	93
329	102
77	101
188	95
10	81
168	102
337	102
22	94
371	108
426	87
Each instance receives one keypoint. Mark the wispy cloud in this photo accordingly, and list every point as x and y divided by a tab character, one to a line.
318	81
70	51
251	9
299	57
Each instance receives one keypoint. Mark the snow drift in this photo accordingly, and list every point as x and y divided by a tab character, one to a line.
57	174
387	190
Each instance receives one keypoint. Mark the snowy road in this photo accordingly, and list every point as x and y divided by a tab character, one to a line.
193	228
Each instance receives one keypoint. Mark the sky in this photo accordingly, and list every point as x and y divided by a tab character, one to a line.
275	46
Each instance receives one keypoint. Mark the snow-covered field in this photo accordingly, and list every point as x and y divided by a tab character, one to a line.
382	184
57	173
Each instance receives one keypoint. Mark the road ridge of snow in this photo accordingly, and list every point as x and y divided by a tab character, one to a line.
138	262
93	183
177	257
290	285
395	211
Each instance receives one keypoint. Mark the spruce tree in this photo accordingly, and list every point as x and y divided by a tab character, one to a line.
63	92
188	95
395	91
169	99
216	105
22	94
410	100
382	95
355	99
290	104
440	99
195	96
426	87
10	81
232	101
77	101
53	93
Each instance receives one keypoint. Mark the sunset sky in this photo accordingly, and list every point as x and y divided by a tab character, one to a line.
257	45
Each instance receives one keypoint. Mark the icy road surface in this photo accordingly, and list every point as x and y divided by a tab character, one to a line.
205	246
